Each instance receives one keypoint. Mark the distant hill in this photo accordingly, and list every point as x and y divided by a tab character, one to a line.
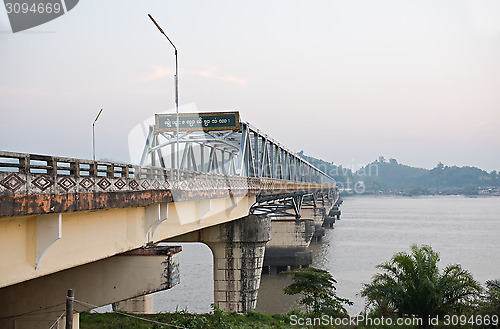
340	174
389	176
386	175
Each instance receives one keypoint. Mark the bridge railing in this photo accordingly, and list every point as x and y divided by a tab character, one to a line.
22	173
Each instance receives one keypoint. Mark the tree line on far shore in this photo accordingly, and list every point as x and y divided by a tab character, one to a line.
390	176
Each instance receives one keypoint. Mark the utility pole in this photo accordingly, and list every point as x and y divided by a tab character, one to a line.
69	309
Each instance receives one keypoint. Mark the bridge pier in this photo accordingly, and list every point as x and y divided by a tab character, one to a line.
291	237
238	249
317	215
288	246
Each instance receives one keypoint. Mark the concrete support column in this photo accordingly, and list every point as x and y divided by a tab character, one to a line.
238	248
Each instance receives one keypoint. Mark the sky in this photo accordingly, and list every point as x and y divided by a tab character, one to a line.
344	80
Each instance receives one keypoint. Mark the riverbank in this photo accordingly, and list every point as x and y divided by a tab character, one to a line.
217	319
252	320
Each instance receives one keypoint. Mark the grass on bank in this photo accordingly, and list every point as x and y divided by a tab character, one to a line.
217	320
222	320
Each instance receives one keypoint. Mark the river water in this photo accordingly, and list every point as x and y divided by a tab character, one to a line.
372	229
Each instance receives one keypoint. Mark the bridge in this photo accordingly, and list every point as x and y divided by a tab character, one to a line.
95	226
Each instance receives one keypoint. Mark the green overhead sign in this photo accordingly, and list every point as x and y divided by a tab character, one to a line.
198	121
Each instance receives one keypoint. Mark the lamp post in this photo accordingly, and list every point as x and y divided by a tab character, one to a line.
176	79
93	134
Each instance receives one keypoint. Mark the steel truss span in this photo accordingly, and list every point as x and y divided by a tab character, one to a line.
246	152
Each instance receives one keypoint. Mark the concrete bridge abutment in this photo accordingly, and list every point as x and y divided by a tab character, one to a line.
238	249
138	305
37	303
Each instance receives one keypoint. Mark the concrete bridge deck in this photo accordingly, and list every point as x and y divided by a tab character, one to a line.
45	199
32	184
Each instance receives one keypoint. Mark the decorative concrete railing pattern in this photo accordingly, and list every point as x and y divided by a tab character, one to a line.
39	184
40	174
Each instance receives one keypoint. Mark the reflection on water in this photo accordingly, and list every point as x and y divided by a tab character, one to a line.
463	230
271	298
